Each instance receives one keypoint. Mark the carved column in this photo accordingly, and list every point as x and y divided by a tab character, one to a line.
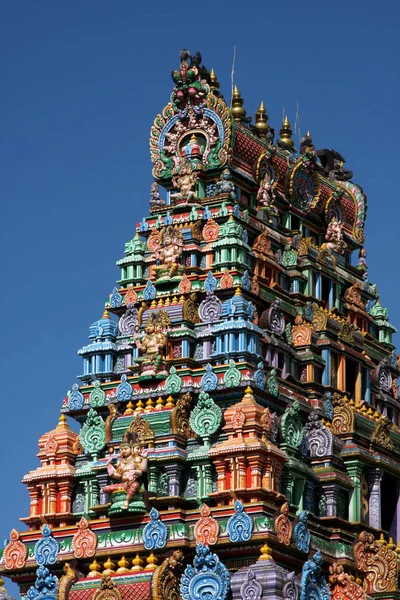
288	485
255	463
221	475
374	501
34	494
309	503
52	502
242	467
331	500
207	469
102	479
354	471
174	474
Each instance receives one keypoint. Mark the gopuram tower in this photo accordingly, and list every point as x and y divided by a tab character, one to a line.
238	403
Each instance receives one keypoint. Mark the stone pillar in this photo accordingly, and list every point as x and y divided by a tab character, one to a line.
34	494
153	478
331	500
354	471
207	470
52	498
288	485
374	501
309	503
102	479
221	475
174	474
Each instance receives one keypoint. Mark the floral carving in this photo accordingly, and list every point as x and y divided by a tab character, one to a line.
155	532
226	280
97	396
209	380
301	533
51	446
15	553
93	432
206	417
251	588
180	417
319	437
381	433
46	549
130	296
210	308
108	590
240	525
185	285
84	542
283	526
166	578
378	562
301	332
232	375
319	318
207	528
262	245
291	426
342	587
211	231
343	416
208	578
129	320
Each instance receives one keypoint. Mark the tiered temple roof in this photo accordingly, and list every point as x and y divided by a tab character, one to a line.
238	403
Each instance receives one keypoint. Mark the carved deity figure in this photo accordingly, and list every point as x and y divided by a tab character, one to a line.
362	263
168	256
266	196
152	346
185	182
128	470
225	185
155	199
334	237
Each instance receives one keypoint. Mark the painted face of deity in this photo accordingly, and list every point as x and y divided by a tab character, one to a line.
125	450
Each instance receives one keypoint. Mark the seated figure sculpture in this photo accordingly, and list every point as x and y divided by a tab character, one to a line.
153	345
225	185
128	472
266	197
168	256
185	183
334	237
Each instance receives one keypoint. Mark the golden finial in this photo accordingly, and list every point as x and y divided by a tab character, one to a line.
62	422
261	120
265	552
248	390
214	80
137	563
129	409
123	565
382	540
237	110
286	133
149	406
159	403
139	407
151	562
398	548
170	403
238	292
106	314
391	545
108	567
94	569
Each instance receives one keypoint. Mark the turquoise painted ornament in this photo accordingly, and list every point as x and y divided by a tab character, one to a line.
260	377
155	532
206	417
301	533
75	399
240	525
97	396
115	299
209	380
232	376
173	382
46	549
124	390
207	579
149	292
93	433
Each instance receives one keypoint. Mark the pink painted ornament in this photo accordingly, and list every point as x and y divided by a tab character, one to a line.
84	542
15	553
207	528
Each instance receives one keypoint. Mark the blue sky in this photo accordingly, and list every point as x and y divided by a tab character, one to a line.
81	84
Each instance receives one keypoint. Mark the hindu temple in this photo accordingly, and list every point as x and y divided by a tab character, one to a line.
238	404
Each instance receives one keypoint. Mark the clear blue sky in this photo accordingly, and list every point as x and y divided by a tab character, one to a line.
81	83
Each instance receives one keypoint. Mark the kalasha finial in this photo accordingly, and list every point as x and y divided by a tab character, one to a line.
286	133
237	110
214	83
261	120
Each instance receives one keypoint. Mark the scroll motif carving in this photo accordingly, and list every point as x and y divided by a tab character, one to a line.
283	526
66	581
343	416
84	542
108	590
342	587
15	553
207	528
180	417
378	562
319	437
381	433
